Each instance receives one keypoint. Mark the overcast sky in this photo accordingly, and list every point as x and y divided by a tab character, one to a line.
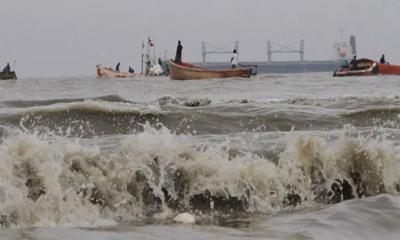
69	37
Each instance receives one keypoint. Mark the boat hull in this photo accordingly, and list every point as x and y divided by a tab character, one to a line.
389	69
187	71
8	75
104	73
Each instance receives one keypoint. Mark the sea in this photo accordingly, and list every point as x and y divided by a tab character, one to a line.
297	156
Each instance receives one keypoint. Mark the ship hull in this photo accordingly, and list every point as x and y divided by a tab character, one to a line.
281	67
8	76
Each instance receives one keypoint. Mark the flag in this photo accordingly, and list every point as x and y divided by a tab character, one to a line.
150	43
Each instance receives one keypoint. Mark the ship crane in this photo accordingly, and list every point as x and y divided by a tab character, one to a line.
283	49
212	49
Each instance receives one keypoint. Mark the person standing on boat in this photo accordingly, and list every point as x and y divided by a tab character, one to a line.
383	61
117	67
353	63
178	56
7	69
234	59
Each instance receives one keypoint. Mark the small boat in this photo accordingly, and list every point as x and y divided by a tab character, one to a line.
367	67
104	72
186	71
8	75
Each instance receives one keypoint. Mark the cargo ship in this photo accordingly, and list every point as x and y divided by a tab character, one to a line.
342	50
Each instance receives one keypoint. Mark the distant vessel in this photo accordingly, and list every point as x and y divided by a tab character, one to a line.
281	67
8	75
342	49
104	72
107	72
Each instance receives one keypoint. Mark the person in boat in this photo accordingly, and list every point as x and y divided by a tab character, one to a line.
234	59
7	68
353	63
117	67
131	70
383	60
178	56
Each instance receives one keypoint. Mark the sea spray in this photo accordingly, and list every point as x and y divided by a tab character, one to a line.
156	174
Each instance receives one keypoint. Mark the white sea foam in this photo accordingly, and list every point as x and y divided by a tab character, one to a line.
55	181
186	218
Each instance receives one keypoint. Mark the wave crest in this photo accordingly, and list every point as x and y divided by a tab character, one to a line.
154	174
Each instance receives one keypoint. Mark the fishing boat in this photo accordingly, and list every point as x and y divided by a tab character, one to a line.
367	67
104	72
186	71
8	75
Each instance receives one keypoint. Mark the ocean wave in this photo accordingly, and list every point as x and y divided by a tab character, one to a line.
83	118
156	174
386	116
113	115
46	102
184	101
99	117
372	218
342	102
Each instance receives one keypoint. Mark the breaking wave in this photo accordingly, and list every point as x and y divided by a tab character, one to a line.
33	103
153	175
185	101
115	115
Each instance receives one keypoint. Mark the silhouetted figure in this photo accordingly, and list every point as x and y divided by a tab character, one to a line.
131	70
117	67
7	69
178	56
234	59
160	62
353	63
383	61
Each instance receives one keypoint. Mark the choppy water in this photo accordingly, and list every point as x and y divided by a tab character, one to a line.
300	156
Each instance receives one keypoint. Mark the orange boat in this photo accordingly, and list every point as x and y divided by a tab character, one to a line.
388	69
103	72
367	67
186	71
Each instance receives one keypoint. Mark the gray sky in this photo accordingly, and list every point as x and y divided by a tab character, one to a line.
69	37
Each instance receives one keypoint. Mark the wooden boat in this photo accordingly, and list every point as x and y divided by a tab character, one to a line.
367	67
186	71
103	72
8	75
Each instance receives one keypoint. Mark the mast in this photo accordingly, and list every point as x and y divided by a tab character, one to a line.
142	57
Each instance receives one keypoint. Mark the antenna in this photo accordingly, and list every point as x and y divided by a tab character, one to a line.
341	30
353	45
142	57
165	55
